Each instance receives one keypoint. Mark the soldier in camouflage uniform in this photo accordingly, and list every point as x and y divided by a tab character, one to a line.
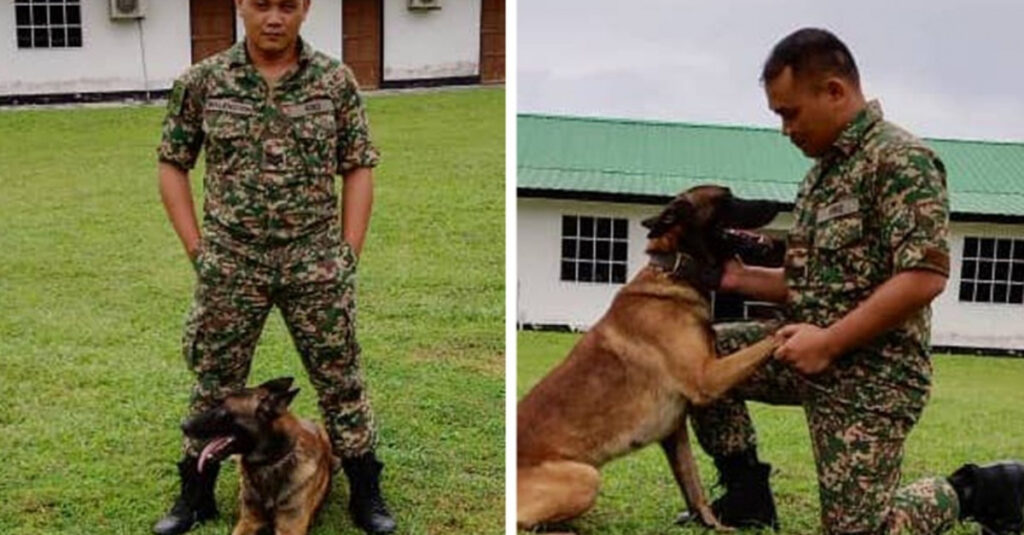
867	253
278	121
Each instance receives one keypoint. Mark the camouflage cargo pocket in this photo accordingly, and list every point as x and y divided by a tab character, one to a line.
839	233
191	335
226	125
841	254
317	139
347	262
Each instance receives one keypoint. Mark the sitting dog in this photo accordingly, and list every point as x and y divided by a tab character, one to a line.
628	381
286	463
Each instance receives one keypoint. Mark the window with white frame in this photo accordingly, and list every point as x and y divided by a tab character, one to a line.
992	271
594	249
48	23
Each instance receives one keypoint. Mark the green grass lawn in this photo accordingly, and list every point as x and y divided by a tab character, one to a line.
975	415
95	286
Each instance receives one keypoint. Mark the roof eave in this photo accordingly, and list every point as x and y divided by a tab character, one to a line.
658	200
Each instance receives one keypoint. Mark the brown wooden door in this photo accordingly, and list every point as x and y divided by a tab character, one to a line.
361	35
213	27
492	41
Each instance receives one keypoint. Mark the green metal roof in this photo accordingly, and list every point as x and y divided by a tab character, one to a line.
649	160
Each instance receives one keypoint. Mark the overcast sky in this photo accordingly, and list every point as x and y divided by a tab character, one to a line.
941	68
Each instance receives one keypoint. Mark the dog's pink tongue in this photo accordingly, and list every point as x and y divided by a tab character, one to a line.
213	448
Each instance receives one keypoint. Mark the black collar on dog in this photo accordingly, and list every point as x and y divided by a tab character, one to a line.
679	265
683	267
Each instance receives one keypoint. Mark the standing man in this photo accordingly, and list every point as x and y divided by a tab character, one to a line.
867	254
278	121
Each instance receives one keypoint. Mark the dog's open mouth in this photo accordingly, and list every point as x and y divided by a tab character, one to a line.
214	450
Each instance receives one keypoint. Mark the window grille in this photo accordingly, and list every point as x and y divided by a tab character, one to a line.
48	23
594	249
992	271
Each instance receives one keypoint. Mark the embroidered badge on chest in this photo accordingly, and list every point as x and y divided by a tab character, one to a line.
847	206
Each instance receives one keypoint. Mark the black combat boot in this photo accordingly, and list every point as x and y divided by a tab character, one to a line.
366	504
196	502
747	502
991	495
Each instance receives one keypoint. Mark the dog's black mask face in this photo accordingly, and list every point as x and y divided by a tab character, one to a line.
243	422
700	220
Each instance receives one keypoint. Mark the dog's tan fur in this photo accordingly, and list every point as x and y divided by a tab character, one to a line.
627	383
287	500
283	495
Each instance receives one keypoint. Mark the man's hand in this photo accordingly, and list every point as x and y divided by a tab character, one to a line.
806	347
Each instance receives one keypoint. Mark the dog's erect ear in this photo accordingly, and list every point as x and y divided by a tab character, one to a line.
285	399
281	384
743	214
276	403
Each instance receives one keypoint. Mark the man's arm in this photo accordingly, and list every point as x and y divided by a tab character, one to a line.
181	139
763	284
811	349
356	158
177	199
356	206
913	211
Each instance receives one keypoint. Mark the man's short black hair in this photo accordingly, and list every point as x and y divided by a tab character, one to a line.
811	51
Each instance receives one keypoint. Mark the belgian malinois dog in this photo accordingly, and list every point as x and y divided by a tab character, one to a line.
628	381
285	462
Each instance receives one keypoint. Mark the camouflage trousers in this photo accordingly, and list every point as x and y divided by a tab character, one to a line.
858	453
312	281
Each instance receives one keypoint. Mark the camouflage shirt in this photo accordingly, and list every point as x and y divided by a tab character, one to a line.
271	152
873	206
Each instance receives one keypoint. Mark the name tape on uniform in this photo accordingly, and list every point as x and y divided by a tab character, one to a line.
230	106
847	206
308	108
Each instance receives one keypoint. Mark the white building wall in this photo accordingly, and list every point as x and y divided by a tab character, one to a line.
453	34
976	324
322	27
543	299
110	58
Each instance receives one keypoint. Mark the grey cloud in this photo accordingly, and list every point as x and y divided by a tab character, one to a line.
944	68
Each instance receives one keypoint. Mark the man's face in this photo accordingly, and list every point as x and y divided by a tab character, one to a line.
810	112
272	26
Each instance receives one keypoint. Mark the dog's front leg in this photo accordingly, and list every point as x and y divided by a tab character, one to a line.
720	375
250	521
680	459
293	521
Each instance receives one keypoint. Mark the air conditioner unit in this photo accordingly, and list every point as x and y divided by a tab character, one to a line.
127	9
422	5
